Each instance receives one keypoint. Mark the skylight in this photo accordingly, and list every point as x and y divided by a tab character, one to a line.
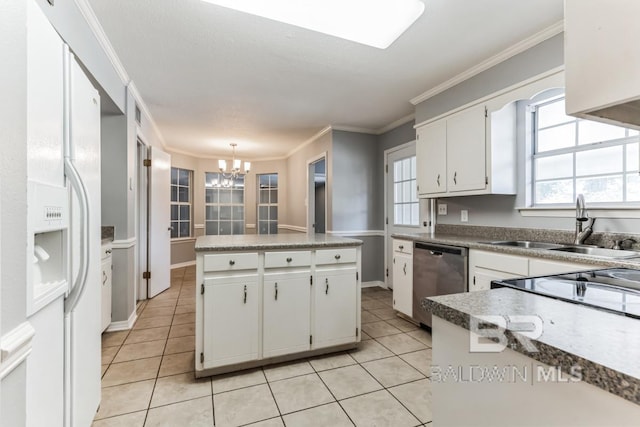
376	23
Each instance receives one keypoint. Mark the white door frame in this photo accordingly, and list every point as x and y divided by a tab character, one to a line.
387	168
142	219
311	189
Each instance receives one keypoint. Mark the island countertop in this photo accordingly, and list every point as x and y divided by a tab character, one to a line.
257	242
605	345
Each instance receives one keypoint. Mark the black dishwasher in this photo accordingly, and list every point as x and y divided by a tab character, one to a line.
437	270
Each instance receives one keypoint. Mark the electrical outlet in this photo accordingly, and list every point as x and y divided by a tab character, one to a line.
442	209
464	215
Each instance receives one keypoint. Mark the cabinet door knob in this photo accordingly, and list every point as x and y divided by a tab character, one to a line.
405	268
337	256
289	259
232	262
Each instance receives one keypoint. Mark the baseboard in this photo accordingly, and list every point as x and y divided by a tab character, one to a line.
183	264
123	325
373	284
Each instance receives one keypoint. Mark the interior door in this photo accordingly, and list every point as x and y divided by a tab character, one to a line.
402	206
159	249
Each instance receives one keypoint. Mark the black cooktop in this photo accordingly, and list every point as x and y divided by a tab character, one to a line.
612	289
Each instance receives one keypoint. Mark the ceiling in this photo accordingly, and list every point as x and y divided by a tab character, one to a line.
211	76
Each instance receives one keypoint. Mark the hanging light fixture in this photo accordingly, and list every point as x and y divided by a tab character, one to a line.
229	176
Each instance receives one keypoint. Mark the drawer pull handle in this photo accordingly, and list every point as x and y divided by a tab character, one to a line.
108	251
232	262
438	180
276	291
245	294
337	256
289	259
455	178
326	291
401	247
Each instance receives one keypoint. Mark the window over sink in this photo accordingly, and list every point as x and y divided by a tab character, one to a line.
571	156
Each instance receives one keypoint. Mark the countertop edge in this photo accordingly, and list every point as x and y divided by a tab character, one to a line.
611	380
253	246
474	242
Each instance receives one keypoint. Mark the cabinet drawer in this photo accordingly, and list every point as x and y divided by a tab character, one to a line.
287	259
403	246
230	262
501	262
335	256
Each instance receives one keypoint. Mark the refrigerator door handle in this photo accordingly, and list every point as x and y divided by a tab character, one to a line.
78	186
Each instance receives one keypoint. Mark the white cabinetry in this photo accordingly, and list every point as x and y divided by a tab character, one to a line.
431	155
602	61
469	152
252	307
402	271
485	266
286	322
336	293
106	285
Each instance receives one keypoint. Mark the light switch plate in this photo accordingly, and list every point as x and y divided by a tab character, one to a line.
442	209
464	215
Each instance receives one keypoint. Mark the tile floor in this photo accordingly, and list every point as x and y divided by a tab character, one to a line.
148	374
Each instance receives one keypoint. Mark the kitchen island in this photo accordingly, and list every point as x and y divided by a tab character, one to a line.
263	299
557	364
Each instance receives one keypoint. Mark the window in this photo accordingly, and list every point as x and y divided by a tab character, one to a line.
268	203
573	156
224	204
180	203
405	202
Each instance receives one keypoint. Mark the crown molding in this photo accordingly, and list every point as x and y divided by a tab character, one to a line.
355	129
309	141
511	51
395	124
92	20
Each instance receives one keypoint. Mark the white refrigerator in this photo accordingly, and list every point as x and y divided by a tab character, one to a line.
64	223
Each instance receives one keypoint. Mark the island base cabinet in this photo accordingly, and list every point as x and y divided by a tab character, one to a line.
231	308
287	313
335	296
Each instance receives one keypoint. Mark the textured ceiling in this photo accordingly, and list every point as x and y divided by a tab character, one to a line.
211	76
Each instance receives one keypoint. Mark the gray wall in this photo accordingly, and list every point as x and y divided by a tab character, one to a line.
355	196
540	58
500	210
113	158
13	192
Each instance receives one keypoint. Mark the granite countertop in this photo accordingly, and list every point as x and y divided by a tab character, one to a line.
271	241
606	346
481	242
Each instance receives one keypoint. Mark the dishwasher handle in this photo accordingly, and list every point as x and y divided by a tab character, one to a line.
439	250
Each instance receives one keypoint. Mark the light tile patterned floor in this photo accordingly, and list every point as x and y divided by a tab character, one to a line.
148	374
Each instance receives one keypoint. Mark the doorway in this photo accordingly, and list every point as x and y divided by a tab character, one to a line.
402	208
142	223
317	195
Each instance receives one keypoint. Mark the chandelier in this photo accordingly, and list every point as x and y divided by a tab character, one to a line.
228	176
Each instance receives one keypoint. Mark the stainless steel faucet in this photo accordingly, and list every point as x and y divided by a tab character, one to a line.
581	216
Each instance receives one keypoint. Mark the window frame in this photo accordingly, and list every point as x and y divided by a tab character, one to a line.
532	132
220	205
179	204
414	201
268	205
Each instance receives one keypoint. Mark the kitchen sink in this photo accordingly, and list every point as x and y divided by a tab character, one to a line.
526	244
598	252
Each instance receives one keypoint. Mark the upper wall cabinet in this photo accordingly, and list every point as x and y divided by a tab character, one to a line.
467	153
602	60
